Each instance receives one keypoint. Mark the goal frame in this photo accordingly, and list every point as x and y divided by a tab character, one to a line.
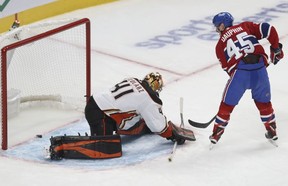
5	49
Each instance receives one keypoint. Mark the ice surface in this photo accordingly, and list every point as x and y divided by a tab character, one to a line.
120	30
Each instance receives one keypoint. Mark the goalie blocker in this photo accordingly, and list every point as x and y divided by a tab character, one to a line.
180	134
85	147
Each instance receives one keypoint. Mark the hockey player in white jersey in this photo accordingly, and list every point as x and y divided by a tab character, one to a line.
131	107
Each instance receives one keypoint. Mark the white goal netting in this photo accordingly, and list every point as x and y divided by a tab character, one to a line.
46	63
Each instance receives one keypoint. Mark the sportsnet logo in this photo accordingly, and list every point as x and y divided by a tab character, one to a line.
202	28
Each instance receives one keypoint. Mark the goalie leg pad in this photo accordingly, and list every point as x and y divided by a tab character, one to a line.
85	147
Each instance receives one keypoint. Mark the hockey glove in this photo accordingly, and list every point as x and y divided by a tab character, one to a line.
276	54
180	141
175	138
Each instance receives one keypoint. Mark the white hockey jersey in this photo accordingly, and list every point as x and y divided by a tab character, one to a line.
131	100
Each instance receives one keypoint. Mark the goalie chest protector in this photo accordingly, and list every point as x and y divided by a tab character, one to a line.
85	147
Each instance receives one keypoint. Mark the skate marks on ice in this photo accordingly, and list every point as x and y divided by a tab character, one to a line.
135	149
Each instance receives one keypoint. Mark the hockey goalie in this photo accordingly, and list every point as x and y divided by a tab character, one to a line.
131	107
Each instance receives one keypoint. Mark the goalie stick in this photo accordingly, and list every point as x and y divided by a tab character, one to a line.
201	125
181	112
182	126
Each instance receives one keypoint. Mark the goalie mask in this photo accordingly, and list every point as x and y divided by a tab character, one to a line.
155	81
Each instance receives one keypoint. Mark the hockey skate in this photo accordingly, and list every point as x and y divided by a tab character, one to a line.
271	139
271	133
214	138
217	133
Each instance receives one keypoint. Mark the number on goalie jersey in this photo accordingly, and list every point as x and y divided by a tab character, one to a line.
130	107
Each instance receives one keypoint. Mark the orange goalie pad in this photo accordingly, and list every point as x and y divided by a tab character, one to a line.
85	147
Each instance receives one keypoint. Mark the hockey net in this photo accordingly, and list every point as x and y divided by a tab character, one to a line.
46	63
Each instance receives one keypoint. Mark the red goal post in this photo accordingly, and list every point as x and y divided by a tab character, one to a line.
45	61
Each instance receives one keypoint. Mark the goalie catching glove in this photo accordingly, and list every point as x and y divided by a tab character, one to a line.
180	135
276	54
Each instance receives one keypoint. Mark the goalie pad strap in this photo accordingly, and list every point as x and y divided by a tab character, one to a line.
85	147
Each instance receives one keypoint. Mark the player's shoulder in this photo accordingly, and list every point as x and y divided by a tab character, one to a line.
153	95
248	24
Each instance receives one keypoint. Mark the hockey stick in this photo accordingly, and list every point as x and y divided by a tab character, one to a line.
182	126
181	112
201	125
173	152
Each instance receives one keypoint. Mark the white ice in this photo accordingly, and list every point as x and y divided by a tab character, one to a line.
243	157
